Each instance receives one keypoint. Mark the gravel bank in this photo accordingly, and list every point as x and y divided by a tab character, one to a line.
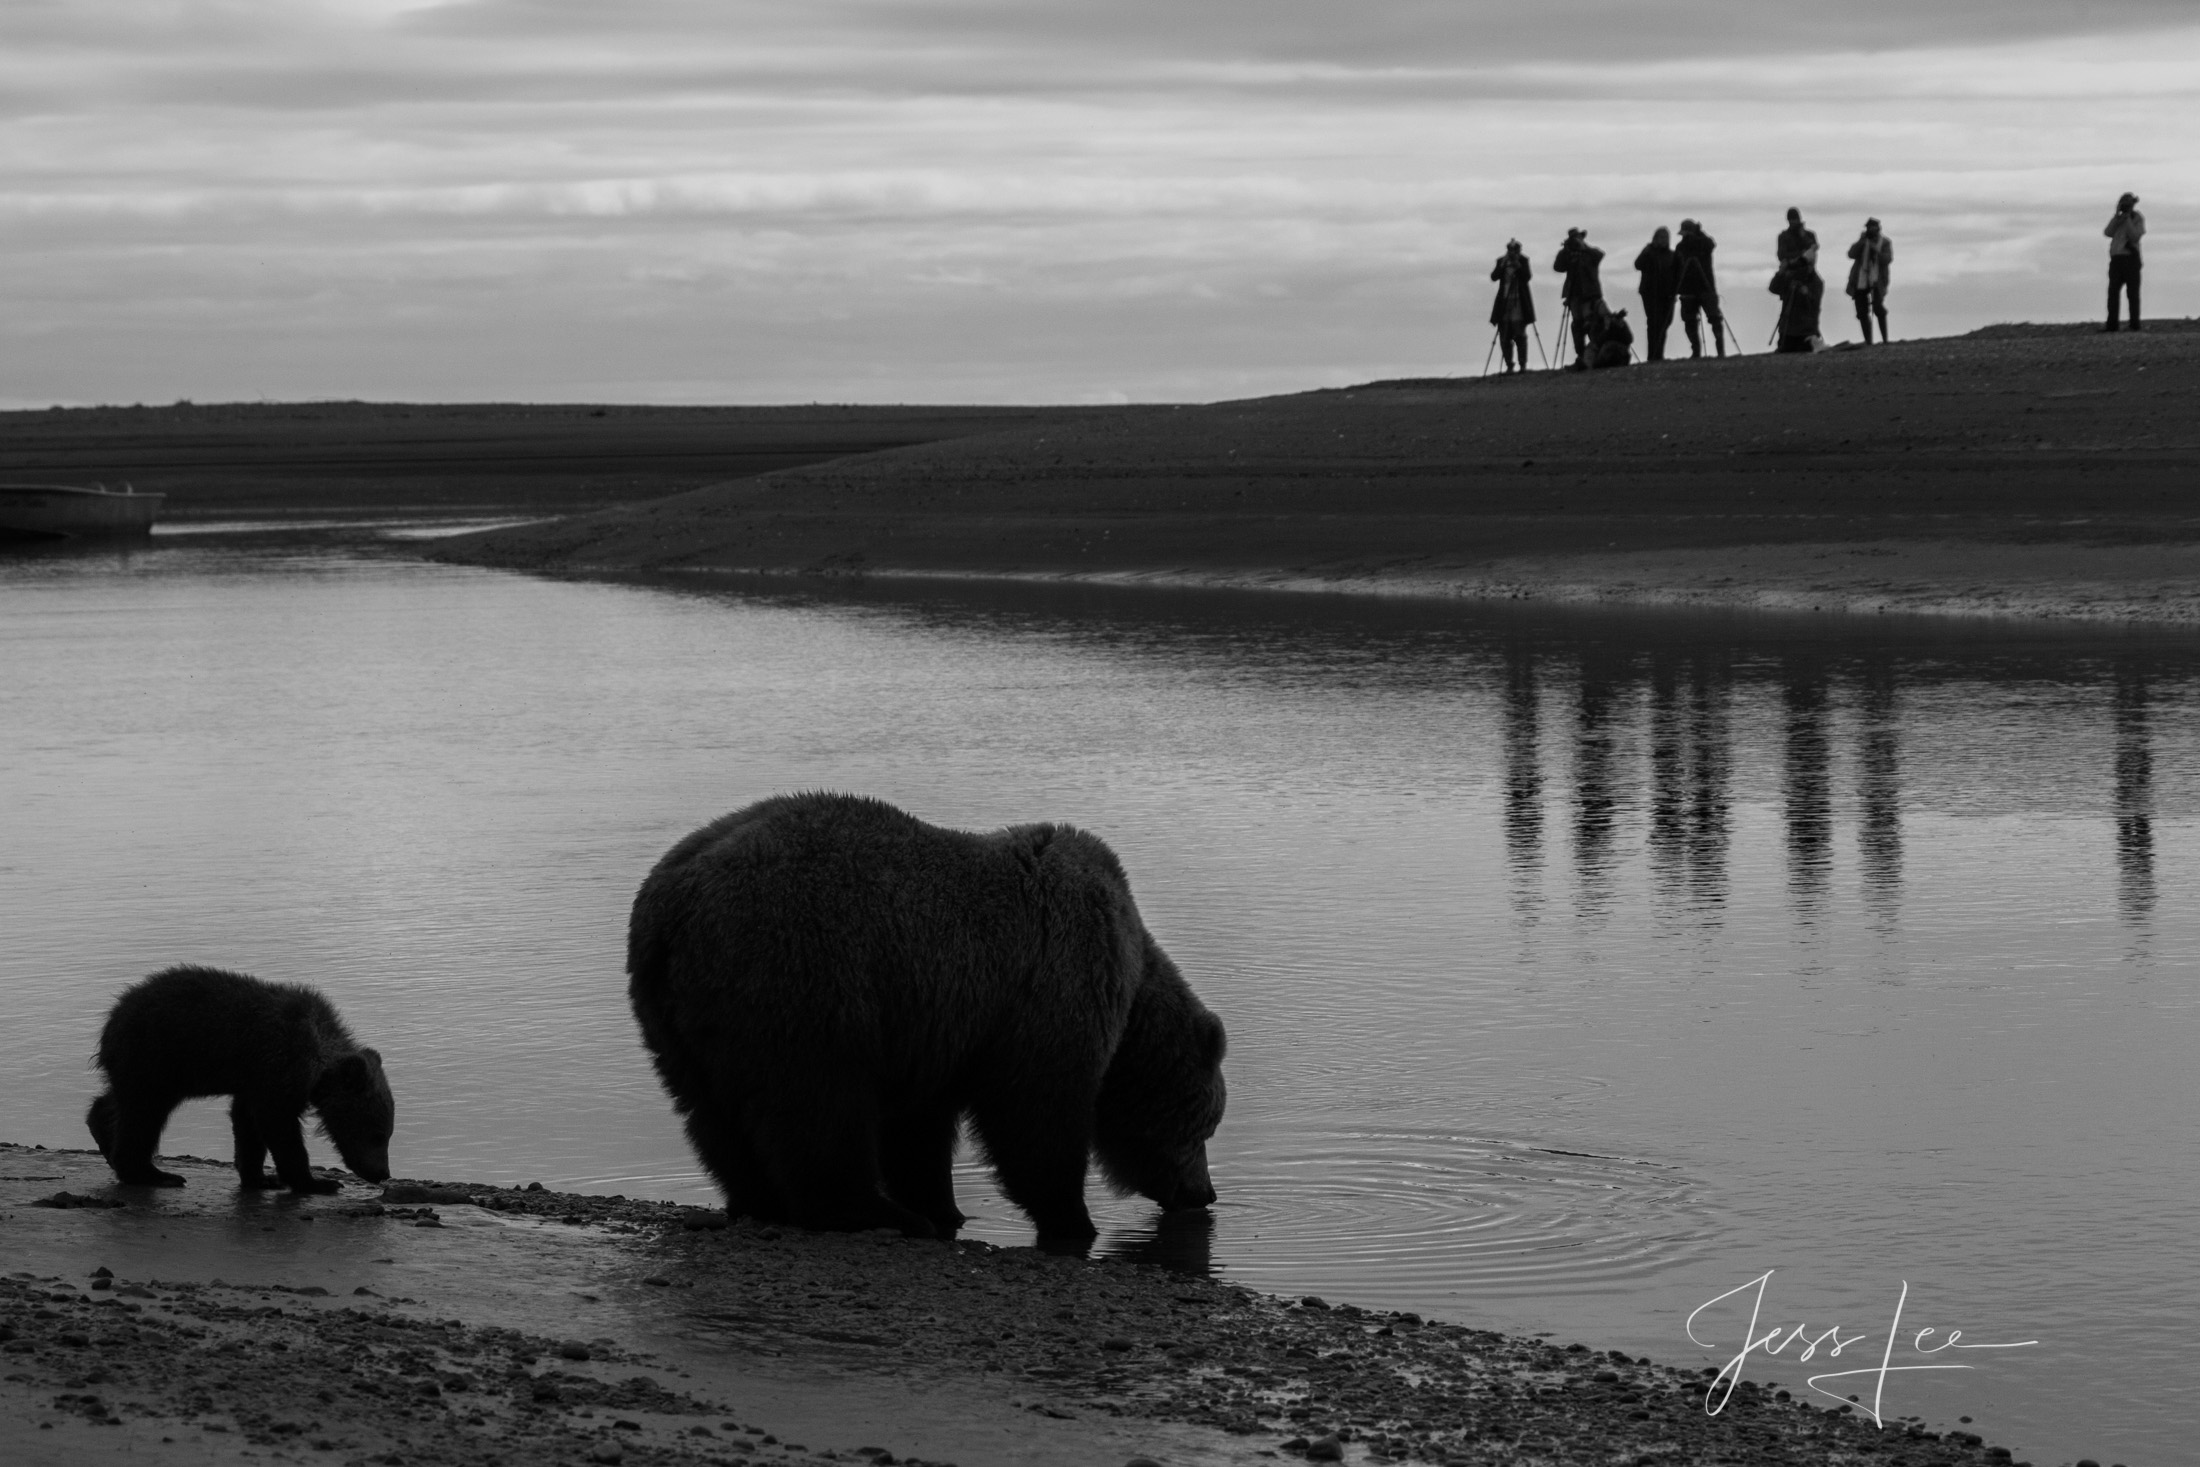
695	1341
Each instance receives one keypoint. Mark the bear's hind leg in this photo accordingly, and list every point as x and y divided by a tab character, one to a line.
917	1159
251	1148
101	1119
278	1127
138	1122
820	1143
722	1145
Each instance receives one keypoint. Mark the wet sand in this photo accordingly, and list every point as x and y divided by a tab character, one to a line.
475	1324
2044	471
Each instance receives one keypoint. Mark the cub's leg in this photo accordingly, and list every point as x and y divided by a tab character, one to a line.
251	1148
278	1128
917	1160
138	1122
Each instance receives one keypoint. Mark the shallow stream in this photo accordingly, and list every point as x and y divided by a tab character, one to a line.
1579	967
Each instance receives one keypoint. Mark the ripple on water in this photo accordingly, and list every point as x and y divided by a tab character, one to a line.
1404	1214
1398	1217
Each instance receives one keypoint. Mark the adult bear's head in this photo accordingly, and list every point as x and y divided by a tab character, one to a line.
357	1112
1163	1093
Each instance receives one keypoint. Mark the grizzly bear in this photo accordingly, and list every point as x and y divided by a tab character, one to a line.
828	985
275	1048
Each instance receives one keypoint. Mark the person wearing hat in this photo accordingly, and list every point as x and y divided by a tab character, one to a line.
1797	242
1697	288
1872	256
2124	233
1583	291
1513	312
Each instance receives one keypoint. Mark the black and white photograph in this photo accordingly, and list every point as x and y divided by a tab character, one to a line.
946	733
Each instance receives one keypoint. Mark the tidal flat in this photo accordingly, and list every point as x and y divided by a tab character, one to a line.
2019	471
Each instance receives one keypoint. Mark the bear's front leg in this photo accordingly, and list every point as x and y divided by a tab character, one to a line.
279	1129
1040	1158
251	1148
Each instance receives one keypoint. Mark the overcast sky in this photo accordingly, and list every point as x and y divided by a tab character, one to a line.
1016	200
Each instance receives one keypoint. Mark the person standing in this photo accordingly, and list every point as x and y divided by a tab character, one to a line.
1797	249
1583	291
1797	242
1660	271
1513	312
1873	257
1697	287
2124	233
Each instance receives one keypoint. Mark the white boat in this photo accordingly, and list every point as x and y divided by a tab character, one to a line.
68	512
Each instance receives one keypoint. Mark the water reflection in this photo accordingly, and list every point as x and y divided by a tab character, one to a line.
1598	778
1690	762
1808	783
1879	792
2134	795
1182	1242
1523	781
1652	753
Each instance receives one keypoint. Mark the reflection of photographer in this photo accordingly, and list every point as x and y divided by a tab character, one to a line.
1873	254
2124	233
1513	312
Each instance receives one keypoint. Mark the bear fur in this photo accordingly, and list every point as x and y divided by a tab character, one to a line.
828	985
275	1048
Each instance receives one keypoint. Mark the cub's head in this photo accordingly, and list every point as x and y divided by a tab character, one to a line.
1164	1093
358	1112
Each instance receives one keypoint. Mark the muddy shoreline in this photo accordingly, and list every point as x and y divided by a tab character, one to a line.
511	1324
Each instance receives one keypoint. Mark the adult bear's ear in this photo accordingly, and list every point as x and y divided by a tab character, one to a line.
373	1057
351	1072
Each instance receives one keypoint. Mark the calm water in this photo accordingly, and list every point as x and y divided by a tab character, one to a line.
1578	968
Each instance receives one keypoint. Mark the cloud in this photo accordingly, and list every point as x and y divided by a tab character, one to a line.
1040	199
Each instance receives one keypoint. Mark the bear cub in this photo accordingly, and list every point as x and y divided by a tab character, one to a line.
275	1048
829	986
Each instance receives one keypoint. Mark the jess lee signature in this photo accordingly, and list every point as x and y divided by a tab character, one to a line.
1777	1339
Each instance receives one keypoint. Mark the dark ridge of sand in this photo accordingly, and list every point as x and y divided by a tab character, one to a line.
499	1324
2027	470
263	459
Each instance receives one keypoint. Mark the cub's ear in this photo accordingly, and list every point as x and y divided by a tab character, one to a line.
372	1056
1212	1040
